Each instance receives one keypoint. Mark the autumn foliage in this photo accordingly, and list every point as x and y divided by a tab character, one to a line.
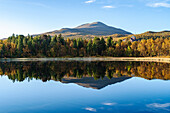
47	46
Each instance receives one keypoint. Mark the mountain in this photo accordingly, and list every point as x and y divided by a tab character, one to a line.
89	29
89	82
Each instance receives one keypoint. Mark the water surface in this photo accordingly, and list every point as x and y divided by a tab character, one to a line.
86	87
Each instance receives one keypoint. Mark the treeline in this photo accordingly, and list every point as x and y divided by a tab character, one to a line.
45	71
57	46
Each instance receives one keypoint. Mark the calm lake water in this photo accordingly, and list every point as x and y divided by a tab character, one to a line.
84	87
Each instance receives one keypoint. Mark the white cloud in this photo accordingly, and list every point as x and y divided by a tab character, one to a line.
89	1
90	109
157	105
109	104
160	4
109	6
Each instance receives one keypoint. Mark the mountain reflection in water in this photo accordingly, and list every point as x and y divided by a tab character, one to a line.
94	75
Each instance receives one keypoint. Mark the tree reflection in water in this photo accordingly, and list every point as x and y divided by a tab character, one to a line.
58	71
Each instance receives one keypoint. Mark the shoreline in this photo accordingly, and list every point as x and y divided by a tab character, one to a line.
140	59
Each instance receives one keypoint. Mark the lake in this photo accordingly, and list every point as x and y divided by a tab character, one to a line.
84	87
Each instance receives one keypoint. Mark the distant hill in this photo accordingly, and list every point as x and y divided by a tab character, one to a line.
89	30
153	32
153	35
145	35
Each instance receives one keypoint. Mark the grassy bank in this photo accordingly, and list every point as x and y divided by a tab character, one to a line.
146	59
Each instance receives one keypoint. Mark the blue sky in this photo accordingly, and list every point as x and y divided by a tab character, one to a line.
38	16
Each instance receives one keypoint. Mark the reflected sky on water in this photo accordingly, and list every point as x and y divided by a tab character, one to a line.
134	95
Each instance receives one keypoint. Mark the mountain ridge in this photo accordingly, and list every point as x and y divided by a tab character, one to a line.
92	29
90	82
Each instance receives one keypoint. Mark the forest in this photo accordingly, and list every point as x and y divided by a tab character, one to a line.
19	46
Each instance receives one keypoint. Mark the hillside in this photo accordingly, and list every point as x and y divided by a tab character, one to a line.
145	35
88	30
153	35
